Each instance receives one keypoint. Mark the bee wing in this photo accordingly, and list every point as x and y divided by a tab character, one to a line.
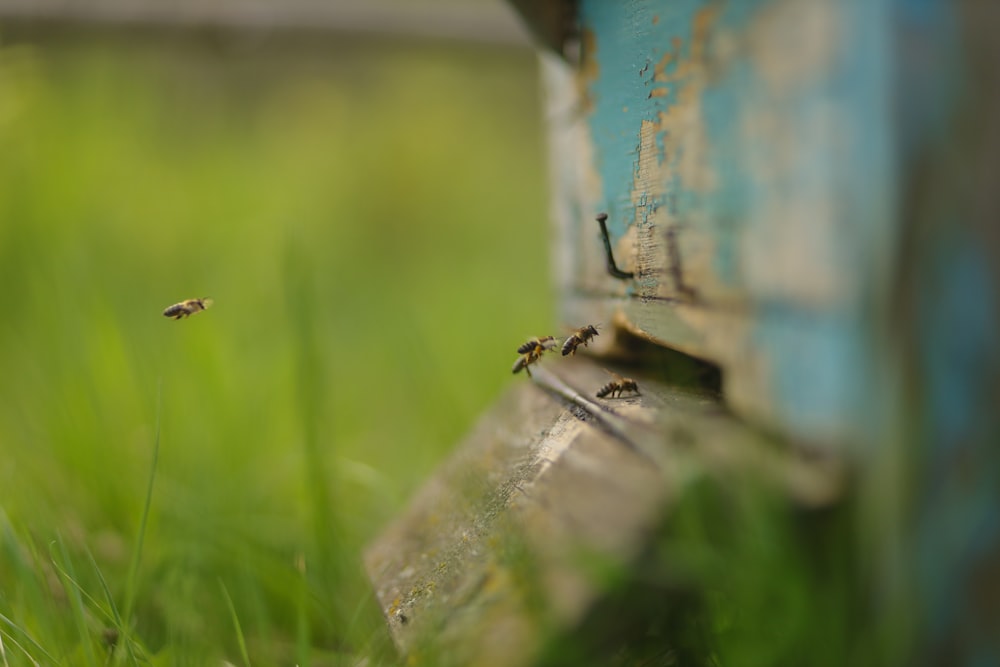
550	342
618	378
519	365
207	301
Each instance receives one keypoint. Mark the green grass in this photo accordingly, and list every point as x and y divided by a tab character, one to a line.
370	220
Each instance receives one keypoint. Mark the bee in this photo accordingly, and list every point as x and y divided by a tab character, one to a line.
618	386
187	308
526	360
532	351
542	343
581	336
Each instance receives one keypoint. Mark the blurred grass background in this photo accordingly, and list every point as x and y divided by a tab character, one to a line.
370	220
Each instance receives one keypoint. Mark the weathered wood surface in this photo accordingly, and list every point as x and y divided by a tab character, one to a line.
491	558
807	194
742	153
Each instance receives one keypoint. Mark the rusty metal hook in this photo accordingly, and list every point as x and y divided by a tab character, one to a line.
613	270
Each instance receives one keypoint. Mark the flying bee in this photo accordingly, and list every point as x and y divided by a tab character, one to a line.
581	336
187	308
541	344
618	387
532	351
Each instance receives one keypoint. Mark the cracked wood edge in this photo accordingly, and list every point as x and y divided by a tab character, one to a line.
547	479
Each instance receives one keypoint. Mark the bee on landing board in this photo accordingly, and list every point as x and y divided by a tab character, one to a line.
187	308
618	387
531	352
581	336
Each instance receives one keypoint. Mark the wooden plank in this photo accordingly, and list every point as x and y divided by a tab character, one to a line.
741	151
806	193
551	479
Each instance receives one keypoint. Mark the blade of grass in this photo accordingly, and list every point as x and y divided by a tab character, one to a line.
83	593
123	632
111	614
302	633
21	552
331	557
236	624
31	640
17	645
133	570
73	592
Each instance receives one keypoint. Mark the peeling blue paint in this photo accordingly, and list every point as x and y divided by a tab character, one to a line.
628	47
886	96
726	210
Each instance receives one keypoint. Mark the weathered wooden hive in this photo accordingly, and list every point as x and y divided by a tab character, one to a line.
802	205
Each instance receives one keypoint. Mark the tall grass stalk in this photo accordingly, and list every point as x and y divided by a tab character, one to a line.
41	649
236	624
75	594
124	634
16	645
302	634
133	570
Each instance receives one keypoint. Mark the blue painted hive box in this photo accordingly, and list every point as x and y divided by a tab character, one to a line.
803	194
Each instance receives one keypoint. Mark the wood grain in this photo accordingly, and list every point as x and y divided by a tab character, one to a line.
551	479
741	153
